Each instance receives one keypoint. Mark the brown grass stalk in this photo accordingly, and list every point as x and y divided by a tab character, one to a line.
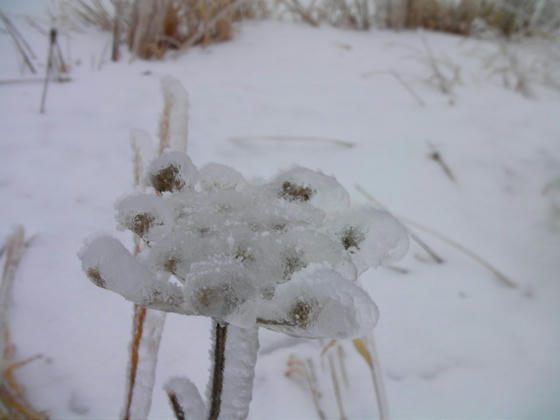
298	369
13	404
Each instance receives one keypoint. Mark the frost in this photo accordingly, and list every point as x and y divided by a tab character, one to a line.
283	255
185	397
240	358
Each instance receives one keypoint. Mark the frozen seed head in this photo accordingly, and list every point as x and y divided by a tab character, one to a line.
95	276
293	262
167	179
282	254
302	314
141	223
171	172
351	238
293	192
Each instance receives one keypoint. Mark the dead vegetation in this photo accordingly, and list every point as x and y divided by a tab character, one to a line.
507	17
13	404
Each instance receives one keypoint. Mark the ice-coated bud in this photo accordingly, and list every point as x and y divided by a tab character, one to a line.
146	215
215	177
305	185
172	171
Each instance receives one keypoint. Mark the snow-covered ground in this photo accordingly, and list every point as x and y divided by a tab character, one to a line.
453	340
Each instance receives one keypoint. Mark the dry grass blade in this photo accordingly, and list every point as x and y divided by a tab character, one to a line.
336	386
363	351
19	41
501	276
60	79
205	27
367	351
413	237
244	140
297	369
13	404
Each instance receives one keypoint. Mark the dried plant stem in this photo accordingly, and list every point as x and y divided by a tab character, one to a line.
32	80
342	143
501	276
218	366
137	329
52	42
19	41
413	237
336	387
436	157
341	356
379	385
298	367
115	54
366	348
296	7
176	406
403	83
12	402
205	27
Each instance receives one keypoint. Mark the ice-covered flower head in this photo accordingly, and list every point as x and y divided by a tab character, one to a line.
284	254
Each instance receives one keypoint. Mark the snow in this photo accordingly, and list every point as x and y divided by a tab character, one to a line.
452	340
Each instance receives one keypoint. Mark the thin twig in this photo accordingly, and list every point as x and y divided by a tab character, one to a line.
52	41
413	237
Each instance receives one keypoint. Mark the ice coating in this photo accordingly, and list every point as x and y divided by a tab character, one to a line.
215	176
184	393
240	358
302	184
109	265
372	237
172	171
320	304
174	124
283	255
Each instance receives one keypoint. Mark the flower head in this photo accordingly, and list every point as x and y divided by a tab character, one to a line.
284	254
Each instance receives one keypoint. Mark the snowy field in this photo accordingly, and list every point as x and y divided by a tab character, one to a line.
454	341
